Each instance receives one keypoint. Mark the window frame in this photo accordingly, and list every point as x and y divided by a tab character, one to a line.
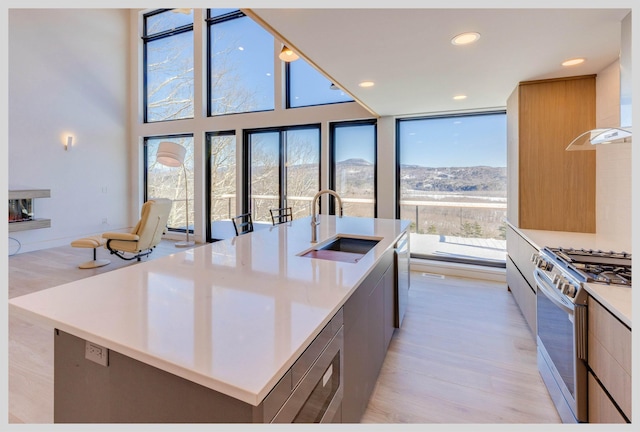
287	89
145	169
332	159
209	22
151	38
207	174
398	122
282	148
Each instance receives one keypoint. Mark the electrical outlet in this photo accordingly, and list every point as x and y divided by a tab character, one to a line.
96	353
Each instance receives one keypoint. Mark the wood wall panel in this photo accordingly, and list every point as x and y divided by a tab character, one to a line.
556	187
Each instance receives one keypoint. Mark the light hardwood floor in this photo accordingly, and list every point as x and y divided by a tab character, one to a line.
464	354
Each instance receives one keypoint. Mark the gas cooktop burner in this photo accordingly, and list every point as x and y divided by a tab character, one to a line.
595	265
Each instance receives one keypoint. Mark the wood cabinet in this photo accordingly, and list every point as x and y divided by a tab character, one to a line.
520	276
609	358
550	188
368	326
601	407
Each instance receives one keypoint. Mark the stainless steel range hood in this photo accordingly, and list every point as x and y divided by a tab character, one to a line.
614	135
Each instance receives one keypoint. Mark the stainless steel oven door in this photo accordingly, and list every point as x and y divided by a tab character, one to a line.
562	350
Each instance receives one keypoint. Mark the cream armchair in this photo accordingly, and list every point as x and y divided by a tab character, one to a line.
145	236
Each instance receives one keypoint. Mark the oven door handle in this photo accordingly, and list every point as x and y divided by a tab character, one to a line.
551	295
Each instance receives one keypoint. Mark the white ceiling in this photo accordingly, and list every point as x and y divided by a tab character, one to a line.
416	70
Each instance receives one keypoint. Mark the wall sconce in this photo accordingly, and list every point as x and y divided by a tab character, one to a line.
69	143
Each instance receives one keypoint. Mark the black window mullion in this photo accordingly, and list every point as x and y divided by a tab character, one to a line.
246	172
282	172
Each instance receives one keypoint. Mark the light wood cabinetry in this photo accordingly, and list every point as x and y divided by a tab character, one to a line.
601	408
609	358
520	276
550	188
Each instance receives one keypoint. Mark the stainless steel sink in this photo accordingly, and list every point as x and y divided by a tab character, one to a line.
350	244
342	248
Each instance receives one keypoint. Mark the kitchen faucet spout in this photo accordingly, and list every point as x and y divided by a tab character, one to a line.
314	219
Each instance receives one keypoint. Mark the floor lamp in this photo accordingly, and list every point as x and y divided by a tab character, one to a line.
172	155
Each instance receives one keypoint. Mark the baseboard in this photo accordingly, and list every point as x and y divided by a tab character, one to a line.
469	271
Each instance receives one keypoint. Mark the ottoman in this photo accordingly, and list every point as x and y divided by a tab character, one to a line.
92	242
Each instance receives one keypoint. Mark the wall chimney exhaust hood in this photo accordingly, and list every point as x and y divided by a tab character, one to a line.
588	140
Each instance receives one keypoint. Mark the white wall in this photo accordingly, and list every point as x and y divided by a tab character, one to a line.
613	164
68	75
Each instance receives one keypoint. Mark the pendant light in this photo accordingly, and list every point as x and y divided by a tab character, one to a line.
287	55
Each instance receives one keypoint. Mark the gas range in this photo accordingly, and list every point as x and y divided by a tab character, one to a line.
567	268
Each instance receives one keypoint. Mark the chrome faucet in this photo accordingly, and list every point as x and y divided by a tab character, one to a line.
314	219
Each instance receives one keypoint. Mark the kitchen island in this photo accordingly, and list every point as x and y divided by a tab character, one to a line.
230	317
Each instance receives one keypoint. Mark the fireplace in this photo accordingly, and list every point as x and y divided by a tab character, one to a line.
21	209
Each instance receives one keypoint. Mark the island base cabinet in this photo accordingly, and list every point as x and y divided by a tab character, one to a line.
368	326
125	390
130	391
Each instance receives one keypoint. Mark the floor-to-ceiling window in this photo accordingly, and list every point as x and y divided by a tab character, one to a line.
167	182
452	185
352	152
221	180
283	170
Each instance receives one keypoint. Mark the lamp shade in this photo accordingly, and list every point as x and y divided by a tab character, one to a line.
287	55
170	154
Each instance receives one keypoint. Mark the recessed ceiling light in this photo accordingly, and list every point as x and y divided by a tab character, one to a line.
366	84
459	97
465	38
573	62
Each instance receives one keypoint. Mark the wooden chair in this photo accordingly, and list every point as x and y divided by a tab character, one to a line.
242	224
281	215
145	236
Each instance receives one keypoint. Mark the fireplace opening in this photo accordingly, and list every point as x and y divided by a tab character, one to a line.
20	210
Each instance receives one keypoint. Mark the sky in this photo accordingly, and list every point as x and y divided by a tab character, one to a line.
470	140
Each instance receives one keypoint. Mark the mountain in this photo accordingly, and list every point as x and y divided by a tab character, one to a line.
355	162
454	179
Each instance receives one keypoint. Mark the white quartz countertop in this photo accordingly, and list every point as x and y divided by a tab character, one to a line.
617	299
575	240
232	315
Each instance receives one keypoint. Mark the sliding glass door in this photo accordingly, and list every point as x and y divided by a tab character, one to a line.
283	167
